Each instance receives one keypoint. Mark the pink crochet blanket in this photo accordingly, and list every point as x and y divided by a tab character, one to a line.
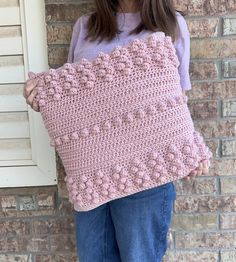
120	123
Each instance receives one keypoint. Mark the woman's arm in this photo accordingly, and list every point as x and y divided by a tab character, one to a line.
74	39
182	46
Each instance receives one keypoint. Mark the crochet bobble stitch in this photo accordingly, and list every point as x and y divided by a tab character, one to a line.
127	118
104	67
139	174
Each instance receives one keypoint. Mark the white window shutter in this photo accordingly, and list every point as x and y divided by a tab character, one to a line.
26	158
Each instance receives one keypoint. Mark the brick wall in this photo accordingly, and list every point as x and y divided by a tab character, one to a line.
36	224
204	223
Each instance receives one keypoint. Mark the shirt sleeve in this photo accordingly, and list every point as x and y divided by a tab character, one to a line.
182	46
74	39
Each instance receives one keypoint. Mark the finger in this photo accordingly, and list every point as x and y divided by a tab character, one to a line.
205	169
31	74
29	87
35	107
190	175
31	97
205	163
24	90
199	172
193	173
200	165
31	81
186	177
199	169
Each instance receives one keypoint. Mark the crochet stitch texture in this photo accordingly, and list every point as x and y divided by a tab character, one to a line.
120	123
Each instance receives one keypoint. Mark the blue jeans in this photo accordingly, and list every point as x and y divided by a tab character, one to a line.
129	229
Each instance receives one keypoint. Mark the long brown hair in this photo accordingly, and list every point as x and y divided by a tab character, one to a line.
156	15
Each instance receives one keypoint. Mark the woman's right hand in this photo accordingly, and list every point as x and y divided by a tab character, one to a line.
30	92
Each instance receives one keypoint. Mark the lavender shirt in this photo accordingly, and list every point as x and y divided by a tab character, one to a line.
79	48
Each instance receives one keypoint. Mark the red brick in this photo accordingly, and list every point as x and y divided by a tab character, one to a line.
206	240
14	227
206	27
202	204
203	109
67	12
57	56
9	245
206	7
34	244
8	203
59	34
198	185
212	90
24	244
193	256
65	207
10	258
213	48
203	70
56	258
46	201
44	258
60	243
56	243
53	226
216	128
223	167
194	222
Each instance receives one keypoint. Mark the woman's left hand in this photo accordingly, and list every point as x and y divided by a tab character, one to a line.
203	168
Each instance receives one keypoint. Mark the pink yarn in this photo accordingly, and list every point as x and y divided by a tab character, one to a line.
120	123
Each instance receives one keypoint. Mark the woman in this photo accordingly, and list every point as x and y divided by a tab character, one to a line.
132	228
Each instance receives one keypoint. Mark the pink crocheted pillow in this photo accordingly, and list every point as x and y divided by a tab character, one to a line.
120	123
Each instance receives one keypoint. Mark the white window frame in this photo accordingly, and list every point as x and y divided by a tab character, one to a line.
41	170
